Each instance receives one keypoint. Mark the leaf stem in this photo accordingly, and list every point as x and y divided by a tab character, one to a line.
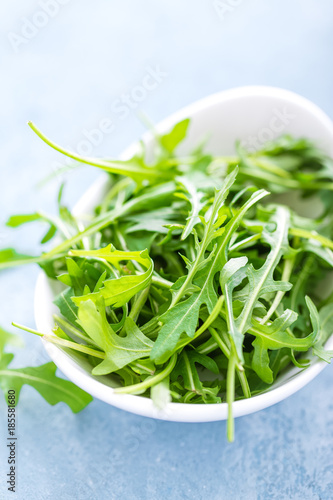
224	348
27	329
150	381
231	396
239	368
74	346
30	260
311	235
116	166
63	342
161	282
300	281
287	270
75	331
139	303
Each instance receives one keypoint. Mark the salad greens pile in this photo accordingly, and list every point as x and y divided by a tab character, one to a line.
194	281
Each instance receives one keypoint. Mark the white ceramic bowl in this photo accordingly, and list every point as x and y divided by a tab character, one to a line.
251	114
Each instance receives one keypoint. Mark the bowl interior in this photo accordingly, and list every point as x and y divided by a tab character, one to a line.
252	115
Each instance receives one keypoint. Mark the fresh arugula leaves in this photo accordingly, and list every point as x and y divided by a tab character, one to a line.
192	281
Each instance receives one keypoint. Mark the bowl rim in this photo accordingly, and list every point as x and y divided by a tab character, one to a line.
184	412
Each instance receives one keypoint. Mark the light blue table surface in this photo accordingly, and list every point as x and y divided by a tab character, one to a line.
68	75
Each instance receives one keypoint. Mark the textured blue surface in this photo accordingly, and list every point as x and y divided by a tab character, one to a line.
67	77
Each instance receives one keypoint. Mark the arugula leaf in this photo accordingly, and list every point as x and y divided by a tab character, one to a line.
119	351
118	291
18	220
326	330
42	378
195	198
152	221
66	306
275	336
326	254
171	140
186	368
261	281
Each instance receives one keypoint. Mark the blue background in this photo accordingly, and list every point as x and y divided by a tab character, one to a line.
67	77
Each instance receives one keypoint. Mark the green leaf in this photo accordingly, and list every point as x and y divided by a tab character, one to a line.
82	274
143	367
316	248
152	221
171	140
261	281
18	220
326	322
49	235
54	222
195	198
120	351
326	330
186	368
66	306
276	336
43	378
118	291
323	354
